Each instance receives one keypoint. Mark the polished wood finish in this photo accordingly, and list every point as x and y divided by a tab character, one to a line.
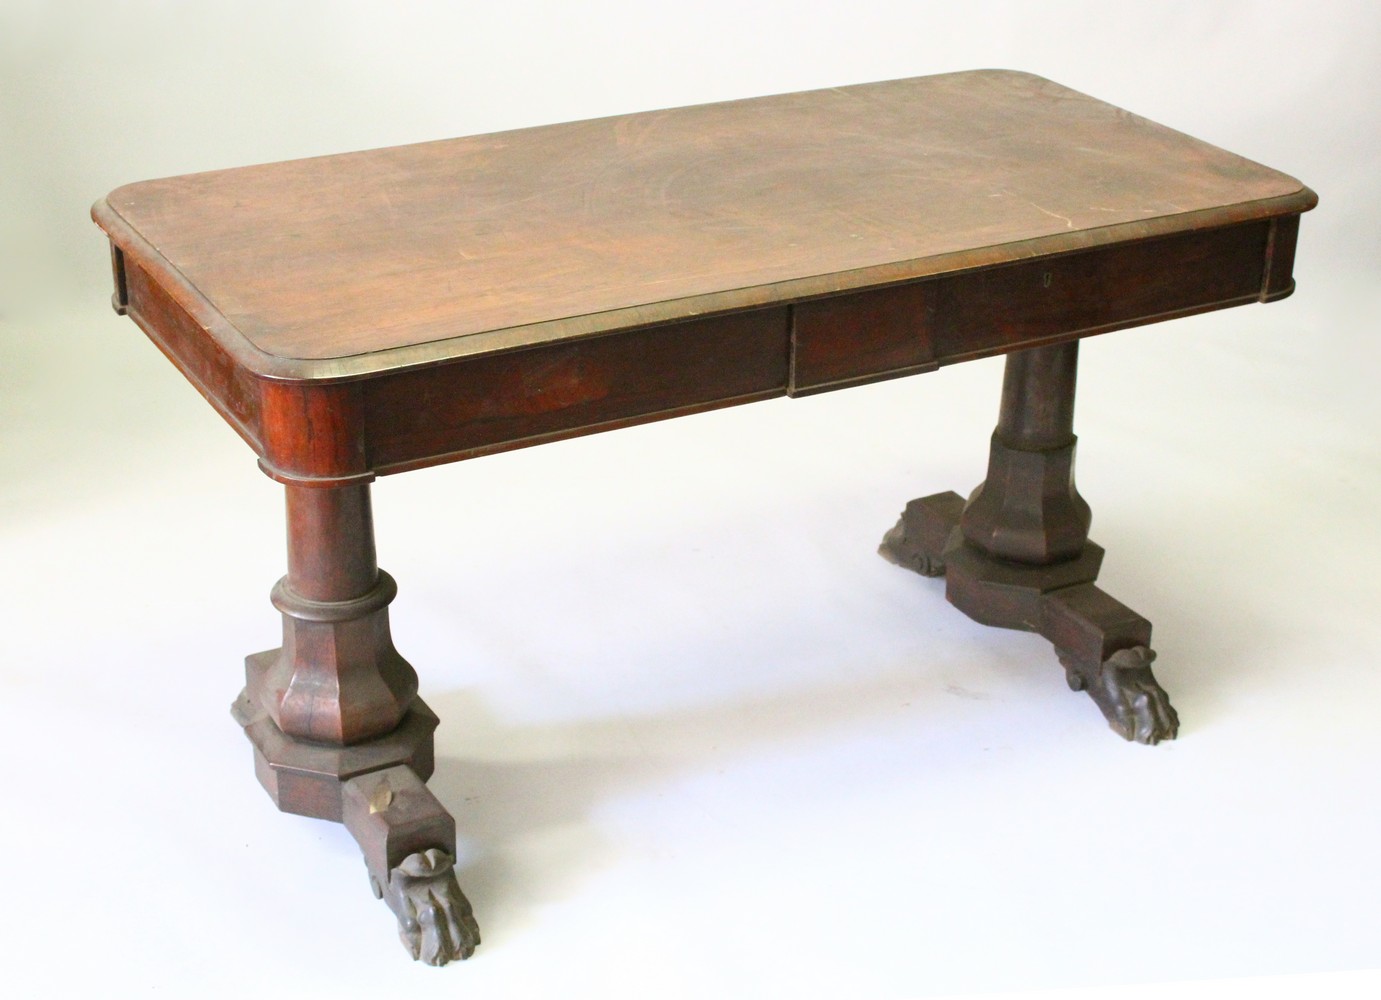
1017	554
810	241
504	241
1028	509
369	313
337	677
307	777
336	432
503	401
918	326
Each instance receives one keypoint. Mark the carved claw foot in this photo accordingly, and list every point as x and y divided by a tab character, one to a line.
1135	705
400	826
919	536
902	551
435	922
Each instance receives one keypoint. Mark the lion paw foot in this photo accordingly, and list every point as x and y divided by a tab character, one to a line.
901	549
1135	705
435	922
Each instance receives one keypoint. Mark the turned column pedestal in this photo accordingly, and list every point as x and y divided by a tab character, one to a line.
338	730
1017	554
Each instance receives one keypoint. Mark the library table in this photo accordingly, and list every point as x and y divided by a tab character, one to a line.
369	313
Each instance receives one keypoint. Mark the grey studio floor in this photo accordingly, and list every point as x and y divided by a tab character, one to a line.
699	738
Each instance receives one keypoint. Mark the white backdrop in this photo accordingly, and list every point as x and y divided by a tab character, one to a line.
699	739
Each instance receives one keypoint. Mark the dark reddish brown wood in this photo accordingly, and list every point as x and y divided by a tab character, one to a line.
553	391
1006	308
495	242
1089	626
960	216
391	814
1028	509
119	299
408	841
850	339
375	312
346	432
307	777
337	677
313	433
320	567
1280	259
902	330
231	389
1017	555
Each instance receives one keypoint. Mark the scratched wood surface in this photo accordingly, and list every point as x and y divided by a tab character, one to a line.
467	246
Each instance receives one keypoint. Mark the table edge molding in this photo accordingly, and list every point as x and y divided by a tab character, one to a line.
262	364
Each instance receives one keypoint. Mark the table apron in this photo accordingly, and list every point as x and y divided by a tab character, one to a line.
332	432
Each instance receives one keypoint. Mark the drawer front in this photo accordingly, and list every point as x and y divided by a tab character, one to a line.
902	329
850	338
985	312
512	400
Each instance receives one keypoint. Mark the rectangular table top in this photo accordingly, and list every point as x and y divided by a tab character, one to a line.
345	265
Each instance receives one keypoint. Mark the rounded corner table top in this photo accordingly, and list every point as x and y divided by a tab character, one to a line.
339	266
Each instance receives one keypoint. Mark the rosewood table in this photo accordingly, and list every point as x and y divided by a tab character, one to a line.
365	314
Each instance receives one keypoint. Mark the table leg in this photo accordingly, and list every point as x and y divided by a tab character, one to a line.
338	730
1017	554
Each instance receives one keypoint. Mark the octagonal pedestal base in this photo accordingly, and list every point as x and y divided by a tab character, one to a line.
307	778
1103	645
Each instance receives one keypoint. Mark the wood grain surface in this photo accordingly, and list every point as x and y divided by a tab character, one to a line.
362	262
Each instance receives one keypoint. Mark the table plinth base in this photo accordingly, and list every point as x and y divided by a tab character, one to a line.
1103	645
377	789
